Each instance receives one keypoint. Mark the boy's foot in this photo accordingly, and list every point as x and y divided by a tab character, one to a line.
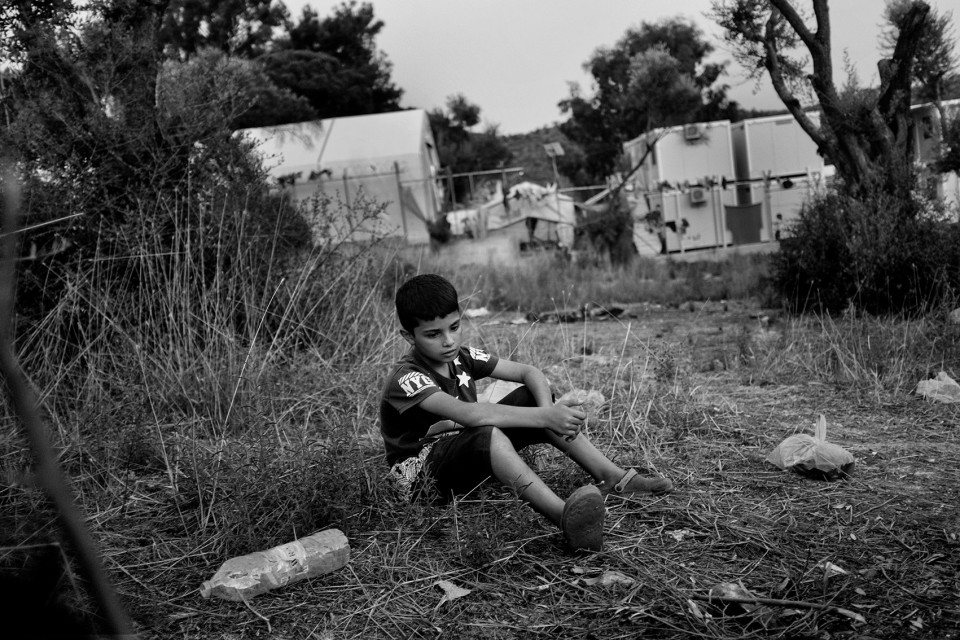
633	483
582	520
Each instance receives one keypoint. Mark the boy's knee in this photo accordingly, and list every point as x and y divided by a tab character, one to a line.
498	439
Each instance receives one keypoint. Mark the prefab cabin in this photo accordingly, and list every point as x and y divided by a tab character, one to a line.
927	138
777	168
681	169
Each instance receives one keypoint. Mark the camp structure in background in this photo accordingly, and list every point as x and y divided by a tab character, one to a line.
777	169
721	184
928	134
529	218
387	158
676	207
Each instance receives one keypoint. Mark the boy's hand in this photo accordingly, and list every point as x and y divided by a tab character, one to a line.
441	427
570	418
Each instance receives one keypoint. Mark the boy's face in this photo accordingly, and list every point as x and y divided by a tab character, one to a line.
437	340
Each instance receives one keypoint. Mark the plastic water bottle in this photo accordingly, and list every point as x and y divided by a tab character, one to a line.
247	576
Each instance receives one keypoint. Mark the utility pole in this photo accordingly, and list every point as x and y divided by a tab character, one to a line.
553	150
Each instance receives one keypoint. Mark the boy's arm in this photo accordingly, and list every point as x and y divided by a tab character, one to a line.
562	418
441	427
529	376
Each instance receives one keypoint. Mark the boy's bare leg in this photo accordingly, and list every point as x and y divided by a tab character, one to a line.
605	472
510	469
582	451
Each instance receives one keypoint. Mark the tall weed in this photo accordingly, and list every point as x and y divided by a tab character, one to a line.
545	283
218	358
875	357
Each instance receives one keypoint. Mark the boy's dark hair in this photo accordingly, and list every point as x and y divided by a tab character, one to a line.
425	297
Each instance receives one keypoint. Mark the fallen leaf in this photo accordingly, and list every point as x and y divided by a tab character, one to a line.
830	569
696	612
680	534
450	591
853	615
608	578
733	590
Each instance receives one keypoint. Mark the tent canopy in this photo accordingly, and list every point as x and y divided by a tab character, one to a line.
361	145
388	158
529	200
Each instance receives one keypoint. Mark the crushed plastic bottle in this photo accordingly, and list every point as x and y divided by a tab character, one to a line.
248	576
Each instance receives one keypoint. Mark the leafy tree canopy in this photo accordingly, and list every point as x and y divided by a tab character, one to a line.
22	23
238	27
315	67
655	75
462	150
334	63
936	60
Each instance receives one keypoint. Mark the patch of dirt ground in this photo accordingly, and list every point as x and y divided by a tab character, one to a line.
878	552
700	394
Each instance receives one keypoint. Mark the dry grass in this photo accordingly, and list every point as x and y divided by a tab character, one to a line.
700	395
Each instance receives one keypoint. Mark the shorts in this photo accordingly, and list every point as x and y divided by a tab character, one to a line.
458	461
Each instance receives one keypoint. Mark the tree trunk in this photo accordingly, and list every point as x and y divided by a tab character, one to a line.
868	144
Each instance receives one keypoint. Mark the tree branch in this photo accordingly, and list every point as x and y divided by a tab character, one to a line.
895	72
771	62
795	21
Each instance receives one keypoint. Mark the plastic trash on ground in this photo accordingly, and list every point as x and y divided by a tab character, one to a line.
591	400
813	456
247	576
733	591
943	388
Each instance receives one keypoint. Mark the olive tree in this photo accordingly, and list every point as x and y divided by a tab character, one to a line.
868	140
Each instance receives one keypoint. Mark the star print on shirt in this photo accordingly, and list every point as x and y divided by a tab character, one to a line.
456	361
464	378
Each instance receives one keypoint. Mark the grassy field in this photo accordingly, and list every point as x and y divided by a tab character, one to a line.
700	393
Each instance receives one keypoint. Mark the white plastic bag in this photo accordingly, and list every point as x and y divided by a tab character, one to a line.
943	388
813	456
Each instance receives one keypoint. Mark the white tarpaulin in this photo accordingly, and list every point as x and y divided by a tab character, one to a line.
528	200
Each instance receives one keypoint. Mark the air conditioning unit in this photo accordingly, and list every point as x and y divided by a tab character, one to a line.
692	132
698	195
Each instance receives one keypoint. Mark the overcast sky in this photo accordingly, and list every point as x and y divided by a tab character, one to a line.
516	58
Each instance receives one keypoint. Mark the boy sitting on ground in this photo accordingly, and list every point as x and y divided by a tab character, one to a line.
437	436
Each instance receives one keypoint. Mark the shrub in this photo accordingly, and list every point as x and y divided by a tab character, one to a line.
878	255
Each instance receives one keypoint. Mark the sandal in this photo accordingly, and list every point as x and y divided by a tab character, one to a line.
631	483
582	520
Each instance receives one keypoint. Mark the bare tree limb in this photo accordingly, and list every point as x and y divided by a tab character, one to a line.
24	402
795	21
780	84
895	72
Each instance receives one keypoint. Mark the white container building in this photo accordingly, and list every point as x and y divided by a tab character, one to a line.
778	168
681	177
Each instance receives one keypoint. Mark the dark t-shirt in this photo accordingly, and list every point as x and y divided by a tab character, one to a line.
403	423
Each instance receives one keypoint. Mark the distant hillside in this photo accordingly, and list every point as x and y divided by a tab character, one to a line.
528	152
